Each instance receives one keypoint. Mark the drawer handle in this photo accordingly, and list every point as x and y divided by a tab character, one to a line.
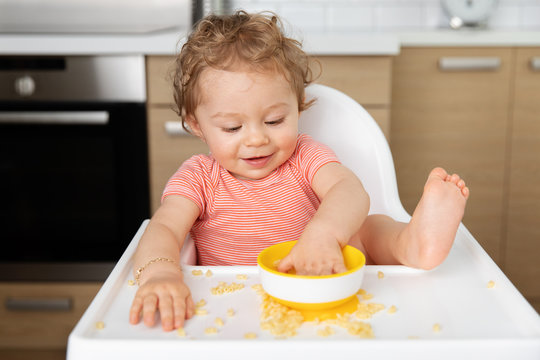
469	63
175	128
38	304
535	63
55	117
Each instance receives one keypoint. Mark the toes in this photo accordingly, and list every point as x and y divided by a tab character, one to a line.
439	172
465	192
455	179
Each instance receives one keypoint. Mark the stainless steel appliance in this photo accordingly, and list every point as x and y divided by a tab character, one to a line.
73	164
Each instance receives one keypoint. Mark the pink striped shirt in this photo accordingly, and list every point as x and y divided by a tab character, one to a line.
239	218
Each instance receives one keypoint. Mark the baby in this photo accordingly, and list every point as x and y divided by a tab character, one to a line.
239	86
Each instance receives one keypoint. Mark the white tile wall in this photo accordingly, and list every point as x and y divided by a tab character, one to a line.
381	15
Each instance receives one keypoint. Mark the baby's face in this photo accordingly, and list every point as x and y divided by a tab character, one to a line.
248	119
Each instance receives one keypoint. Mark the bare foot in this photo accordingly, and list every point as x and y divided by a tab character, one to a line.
427	239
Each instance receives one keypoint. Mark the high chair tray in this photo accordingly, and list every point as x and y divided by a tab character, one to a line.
447	313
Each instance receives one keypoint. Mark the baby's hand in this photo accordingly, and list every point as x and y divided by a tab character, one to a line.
167	293
314	257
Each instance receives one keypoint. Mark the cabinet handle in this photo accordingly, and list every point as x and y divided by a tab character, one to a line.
39	304
175	128
55	117
469	63
535	63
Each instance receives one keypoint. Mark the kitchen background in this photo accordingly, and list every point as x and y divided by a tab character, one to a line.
480	122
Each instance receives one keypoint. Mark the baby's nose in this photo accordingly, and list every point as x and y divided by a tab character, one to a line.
256	137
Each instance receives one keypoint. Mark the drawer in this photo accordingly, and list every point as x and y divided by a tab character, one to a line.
367	79
41	315
167	149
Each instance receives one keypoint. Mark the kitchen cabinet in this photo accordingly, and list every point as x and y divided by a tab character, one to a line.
523	228
474	111
27	332
367	79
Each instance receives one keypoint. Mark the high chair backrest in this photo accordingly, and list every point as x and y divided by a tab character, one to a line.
347	128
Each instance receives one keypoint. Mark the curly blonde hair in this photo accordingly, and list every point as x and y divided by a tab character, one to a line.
223	42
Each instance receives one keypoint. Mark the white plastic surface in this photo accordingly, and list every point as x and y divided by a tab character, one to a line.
475	321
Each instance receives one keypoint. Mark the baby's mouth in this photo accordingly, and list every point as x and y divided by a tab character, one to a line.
258	161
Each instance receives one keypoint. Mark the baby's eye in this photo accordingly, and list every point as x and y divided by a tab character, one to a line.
274	122
232	129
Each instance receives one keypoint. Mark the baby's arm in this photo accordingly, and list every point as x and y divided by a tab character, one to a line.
344	206
161	285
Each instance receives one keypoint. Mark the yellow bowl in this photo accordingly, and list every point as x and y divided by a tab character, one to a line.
307	292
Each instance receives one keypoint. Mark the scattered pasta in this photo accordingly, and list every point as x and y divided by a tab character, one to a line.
325	332
241	277
230	312
209	273
392	309
380	274
436	328
491	284
250	335
131	282
366	310
100	325
224	288
219	322
181	332
210	330
200	303
200	311
196	272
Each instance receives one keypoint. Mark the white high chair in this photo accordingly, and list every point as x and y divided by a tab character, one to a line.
347	128
472	318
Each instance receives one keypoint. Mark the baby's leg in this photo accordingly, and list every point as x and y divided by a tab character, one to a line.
426	240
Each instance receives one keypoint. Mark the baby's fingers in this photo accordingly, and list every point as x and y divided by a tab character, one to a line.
285	264
180	311
149	309
339	267
135	310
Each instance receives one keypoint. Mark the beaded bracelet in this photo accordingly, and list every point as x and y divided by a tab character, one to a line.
141	269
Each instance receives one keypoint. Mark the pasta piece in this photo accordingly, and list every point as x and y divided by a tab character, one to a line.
491	284
181	332
230	312
392	309
241	277
380	274
131	282
250	335
196	272
224	288
100	325
209	273
201	312
436	328
327	331
210	330
219	322
201	303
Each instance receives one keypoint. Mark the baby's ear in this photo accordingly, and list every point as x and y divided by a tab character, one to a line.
194	127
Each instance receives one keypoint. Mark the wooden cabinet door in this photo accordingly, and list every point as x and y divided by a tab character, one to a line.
522	263
458	120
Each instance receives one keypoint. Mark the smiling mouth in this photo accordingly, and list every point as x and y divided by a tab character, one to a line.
258	161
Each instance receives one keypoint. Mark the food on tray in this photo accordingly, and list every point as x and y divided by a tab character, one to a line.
200	303
131	282
436	327
200	311
196	272
366	310
392	309
100	325
380	274
210	330
219	322
181	332
241	277
224	288
325	332
250	335
208	273
283	321
491	284
230	312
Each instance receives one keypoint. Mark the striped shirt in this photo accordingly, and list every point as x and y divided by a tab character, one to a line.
240	218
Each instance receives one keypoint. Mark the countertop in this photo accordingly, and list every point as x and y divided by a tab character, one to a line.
168	42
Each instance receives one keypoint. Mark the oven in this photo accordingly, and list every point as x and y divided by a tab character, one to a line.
73	164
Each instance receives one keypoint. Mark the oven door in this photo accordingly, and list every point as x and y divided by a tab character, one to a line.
74	187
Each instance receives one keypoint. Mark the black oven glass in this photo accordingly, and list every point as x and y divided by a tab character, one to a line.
72	192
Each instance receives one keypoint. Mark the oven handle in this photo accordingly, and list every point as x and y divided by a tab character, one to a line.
55	117
39	304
